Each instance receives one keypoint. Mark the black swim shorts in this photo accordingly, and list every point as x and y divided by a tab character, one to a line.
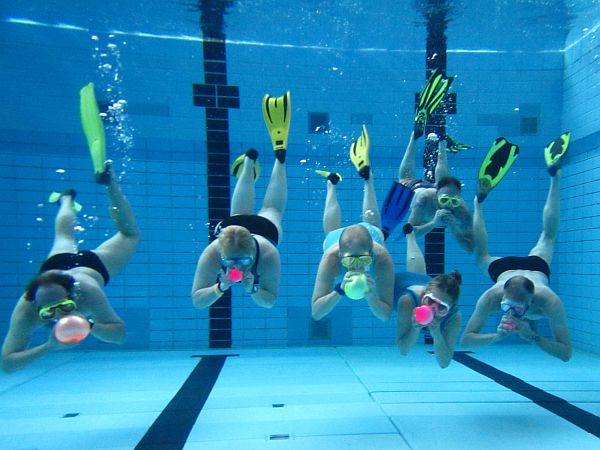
534	263
66	261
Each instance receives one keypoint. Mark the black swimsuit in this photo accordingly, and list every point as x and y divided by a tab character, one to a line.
67	261
533	263
254	224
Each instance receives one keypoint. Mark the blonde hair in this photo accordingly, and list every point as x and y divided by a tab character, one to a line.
236	238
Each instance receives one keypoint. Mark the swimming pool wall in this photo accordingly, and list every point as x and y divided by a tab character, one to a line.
497	94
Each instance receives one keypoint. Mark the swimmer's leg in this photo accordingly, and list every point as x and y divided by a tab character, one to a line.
64	233
441	167
276	196
243	198
370	208
332	214
551	220
407	165
116	252
415	260
480	238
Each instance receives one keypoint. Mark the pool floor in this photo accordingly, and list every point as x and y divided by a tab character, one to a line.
507	396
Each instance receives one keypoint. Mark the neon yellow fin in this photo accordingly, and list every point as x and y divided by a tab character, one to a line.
238	164
55	198
93	127
277	113
359	154
496	164
431	96
555	150
334	177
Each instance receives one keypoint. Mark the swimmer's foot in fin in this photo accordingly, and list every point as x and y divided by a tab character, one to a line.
359	154
93	128
236	167
555	151
433	93
334	178
105	175
496	164
55	197
277	112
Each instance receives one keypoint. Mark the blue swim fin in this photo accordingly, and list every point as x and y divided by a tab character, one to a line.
395	206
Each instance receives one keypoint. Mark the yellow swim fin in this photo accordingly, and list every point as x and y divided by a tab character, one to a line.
93	127
277	114
359	154
238	163
56	196
555	151
333	177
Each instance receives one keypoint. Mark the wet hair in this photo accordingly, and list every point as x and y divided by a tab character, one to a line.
517	285
448	283
355	236
449	181
235	236
46	279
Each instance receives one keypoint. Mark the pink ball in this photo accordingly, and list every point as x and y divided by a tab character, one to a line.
70	329
423	314
235	275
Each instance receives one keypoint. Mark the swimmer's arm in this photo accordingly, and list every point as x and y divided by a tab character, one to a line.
444	342
462	229
417	218
268	286
472	336
15	354
560	347
205	290
108	326
381	298
324	298
407	333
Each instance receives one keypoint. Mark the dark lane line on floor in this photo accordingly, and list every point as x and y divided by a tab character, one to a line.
556	405
172	427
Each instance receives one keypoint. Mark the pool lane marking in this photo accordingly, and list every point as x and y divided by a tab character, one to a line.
172	427
556	405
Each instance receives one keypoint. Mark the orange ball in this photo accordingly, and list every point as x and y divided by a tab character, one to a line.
71	329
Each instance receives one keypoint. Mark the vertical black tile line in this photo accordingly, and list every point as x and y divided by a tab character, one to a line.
217	98
556	405
172	427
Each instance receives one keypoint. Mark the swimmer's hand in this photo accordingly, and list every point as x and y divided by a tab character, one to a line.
54	344
442	217
505	327
248	282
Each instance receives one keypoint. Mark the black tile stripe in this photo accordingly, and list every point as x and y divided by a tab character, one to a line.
172	427
556	405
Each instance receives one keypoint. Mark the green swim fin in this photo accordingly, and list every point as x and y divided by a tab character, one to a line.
496	164
453	146
277	113
359	154
334	177
55	198
555	150
238	163
93	127
433	93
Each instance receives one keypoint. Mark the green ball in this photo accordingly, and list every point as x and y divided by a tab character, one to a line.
356	287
